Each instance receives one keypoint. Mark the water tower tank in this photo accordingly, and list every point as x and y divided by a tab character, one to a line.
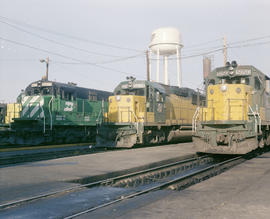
165	40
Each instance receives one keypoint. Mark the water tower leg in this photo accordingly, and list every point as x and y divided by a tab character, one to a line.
150	66
179	76
157	74
166	70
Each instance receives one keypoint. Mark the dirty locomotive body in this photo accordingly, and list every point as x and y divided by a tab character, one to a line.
50	112
144	112
236	118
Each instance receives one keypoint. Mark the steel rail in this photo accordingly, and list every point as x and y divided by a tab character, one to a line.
100	182
157	187
41	156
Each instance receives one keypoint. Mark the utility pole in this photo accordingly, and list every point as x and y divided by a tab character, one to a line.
147	66
225	50
47	67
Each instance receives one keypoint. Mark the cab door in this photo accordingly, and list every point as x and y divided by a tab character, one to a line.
159	107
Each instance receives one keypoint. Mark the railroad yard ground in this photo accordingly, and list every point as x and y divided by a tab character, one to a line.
29	179
241	192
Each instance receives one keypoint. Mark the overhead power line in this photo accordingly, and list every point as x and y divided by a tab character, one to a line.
196	54
105	62
70	36
18	60
202	44
56	42
202	54
250	44
64	56
202	50
237	44
248	40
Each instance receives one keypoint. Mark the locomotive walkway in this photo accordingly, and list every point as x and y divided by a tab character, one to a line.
35	178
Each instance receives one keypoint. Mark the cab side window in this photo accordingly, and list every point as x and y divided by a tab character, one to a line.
92	96
257	83
159	97
212	82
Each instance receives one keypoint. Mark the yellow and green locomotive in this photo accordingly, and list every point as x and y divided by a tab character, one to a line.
145	112
236	118
49	112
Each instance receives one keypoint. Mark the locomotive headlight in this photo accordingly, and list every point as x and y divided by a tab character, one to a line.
211	91
223	88
118	98
238	90
128	99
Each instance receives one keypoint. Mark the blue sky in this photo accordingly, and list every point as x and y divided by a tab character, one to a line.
119	29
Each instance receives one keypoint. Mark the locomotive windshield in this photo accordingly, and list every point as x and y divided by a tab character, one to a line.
235	80
40	91
134	91
131	88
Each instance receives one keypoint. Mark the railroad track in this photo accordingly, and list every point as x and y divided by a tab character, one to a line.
18	155
176	175
184	164
15	155
186	178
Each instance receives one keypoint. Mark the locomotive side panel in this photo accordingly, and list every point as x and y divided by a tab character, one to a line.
179	110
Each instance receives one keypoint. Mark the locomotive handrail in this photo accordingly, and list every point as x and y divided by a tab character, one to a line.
44	121
260	121
130	112
97	120
50	112
194	119
256	131
136	118
37	103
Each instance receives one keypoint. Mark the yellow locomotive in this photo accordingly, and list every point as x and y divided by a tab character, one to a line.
145	112
236	118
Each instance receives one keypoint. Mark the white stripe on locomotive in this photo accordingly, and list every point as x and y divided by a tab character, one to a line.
25	104
41	115
38	105
25	99
31	102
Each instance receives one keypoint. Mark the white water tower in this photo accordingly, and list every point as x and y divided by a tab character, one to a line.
166	42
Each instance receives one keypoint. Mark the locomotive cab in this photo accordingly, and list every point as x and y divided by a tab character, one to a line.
137	101
128	103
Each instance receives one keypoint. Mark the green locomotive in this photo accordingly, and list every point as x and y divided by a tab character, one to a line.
53	112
